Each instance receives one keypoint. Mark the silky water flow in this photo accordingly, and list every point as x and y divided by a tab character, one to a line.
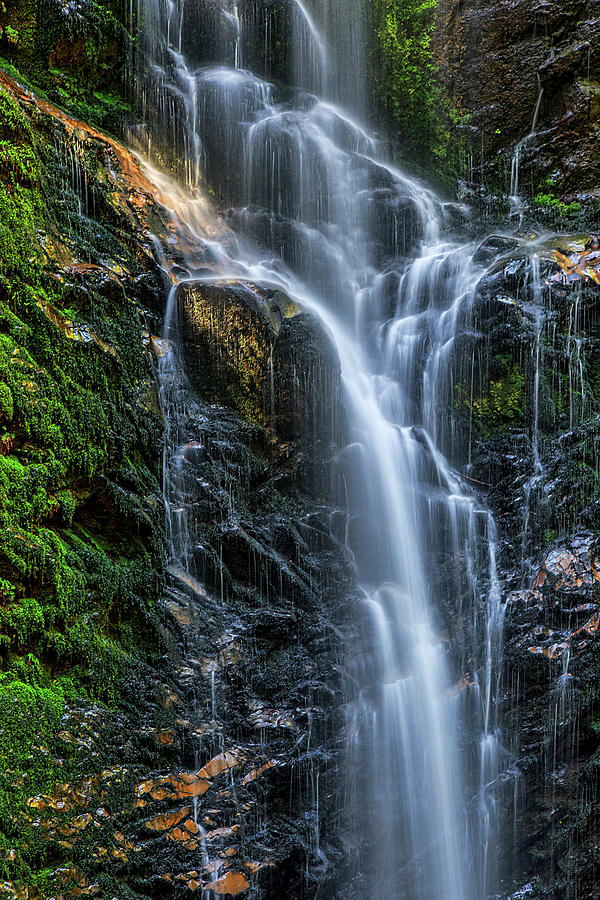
315	210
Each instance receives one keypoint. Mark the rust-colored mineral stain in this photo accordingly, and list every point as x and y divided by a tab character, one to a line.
256	773
180	613
540	579
178	836
233	883
218	764
165	737
167	820
186	787
161	793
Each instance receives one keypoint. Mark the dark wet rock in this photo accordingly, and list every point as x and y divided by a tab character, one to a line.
492	246
255	351
532	430
494	59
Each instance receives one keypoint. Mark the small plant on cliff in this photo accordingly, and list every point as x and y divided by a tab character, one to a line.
550	201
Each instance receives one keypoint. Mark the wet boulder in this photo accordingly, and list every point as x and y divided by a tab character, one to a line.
254	351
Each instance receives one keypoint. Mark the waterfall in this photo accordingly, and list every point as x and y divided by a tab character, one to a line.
315	209
517	205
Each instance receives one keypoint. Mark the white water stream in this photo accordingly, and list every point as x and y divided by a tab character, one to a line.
316	210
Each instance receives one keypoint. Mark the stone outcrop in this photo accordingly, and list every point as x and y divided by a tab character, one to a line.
495	58
531	424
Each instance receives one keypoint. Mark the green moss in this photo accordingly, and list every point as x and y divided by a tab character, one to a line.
81	554
408	84
77	57
31	706
7	406
21	622
502	404
546	200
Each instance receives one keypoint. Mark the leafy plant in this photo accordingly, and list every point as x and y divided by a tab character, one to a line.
409	86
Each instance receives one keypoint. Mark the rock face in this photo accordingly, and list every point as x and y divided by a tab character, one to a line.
530	420
496	58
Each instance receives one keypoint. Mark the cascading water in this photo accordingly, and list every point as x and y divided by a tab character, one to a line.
305	181
517	205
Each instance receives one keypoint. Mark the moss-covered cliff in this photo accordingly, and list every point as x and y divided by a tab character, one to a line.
82	539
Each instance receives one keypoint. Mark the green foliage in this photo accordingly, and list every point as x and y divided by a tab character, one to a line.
81	555
548	200
9	33
73	605
31	707
503	403
21	622
410	89
66	503
89	48
6	403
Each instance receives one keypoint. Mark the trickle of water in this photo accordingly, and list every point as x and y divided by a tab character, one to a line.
317	211
516	201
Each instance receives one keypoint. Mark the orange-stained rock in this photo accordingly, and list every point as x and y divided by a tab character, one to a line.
162	793
191	826
256	773
181	614
178	835
167	820
591	626
172	699
232	883
165	737
253	866
554	651
145	787
190	787
570	569
218	764
579	263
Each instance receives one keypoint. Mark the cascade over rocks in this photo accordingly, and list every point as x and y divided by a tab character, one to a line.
195	696
224	688
530	420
